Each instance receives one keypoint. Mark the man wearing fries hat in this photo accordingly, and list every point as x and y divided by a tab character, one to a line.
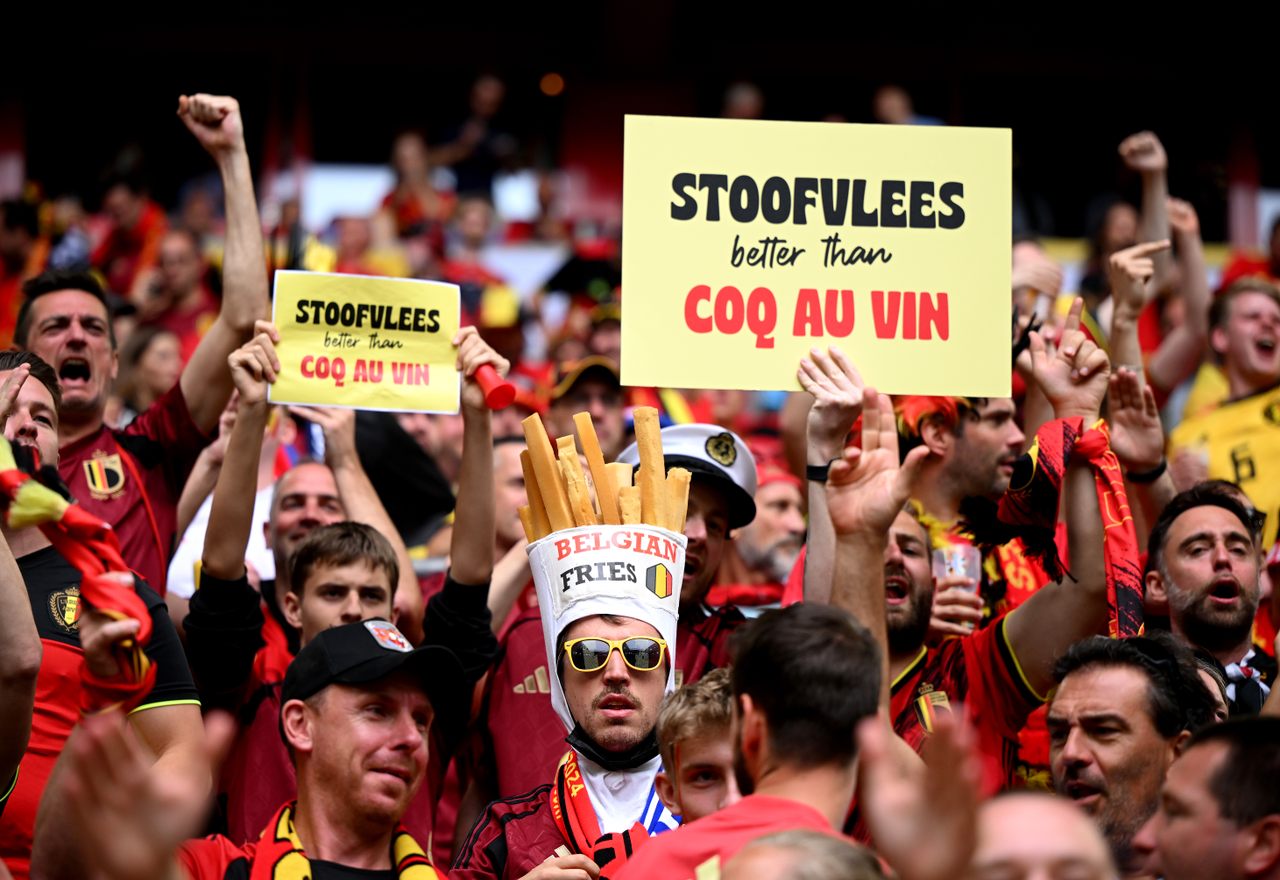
612	580
527	736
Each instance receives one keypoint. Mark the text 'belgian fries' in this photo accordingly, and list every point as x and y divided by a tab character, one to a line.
563	494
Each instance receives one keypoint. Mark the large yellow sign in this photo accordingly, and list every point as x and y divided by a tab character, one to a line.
366	342
745	244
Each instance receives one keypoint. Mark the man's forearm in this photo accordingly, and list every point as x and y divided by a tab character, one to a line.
471	548
244	270
1155	219
231	513
20	655
858	587
820	543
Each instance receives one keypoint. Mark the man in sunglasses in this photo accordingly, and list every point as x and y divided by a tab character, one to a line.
526	735
610	649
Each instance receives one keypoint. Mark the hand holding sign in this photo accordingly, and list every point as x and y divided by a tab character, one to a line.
254	365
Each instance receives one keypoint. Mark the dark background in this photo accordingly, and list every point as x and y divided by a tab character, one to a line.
80	86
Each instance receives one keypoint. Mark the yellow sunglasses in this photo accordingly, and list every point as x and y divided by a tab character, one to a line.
641	653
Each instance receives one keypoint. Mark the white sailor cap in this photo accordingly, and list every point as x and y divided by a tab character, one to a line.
713	453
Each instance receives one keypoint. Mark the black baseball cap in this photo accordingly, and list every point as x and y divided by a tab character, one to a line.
368	651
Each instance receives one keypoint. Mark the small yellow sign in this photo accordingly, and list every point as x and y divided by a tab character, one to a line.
366	342
747	243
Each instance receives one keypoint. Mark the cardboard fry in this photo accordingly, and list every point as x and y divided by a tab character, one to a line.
653	472
620	474
677	498
605	494
548	473
537	508
575	483
629	505
526	520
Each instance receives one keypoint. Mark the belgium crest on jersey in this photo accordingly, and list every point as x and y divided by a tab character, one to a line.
64	608
104	474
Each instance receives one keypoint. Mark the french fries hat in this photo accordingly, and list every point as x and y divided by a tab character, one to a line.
713	454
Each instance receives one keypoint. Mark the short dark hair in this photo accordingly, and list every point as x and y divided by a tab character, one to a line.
1177	699
814	672
52	281
12	358
1245	785
1220	308
342	543
1208	494
17	214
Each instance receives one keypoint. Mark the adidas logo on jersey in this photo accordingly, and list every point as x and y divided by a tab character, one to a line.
538	683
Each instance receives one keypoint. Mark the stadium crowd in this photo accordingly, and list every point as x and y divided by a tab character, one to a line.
916	637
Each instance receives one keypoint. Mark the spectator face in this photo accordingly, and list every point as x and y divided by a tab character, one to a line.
1188	836
771	542
180	265
908	584
305	497
335	595
1209	577
1220	709
706	526
160	366
123	206
604	401
508	494
409	156
365	748
1040	837
1249	340
616	705
1105	752
986	449
1119	228
70	331
33	421
703	781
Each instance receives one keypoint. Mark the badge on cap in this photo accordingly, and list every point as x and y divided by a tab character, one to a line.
722	449
386	635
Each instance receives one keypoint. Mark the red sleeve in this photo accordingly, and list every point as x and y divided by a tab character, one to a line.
999	697
211	857
164	436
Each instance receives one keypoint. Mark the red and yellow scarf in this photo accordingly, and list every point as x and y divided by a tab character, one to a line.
91	546
279	854
1029	510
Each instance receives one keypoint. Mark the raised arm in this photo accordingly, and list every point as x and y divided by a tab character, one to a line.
1180	352
1143	153
215	122
362	504
1137	439
836	390
1130	272
471	549
20	654
1074	379
253	367
866	491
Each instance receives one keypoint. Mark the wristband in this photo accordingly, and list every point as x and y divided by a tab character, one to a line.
817	473
1148	476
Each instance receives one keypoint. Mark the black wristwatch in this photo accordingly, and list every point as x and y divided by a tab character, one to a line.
817	473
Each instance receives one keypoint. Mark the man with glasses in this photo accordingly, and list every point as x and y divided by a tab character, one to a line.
609	648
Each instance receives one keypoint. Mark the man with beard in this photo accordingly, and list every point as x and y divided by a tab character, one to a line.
1122	712
762	554
1000	673
973	443
1203	566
